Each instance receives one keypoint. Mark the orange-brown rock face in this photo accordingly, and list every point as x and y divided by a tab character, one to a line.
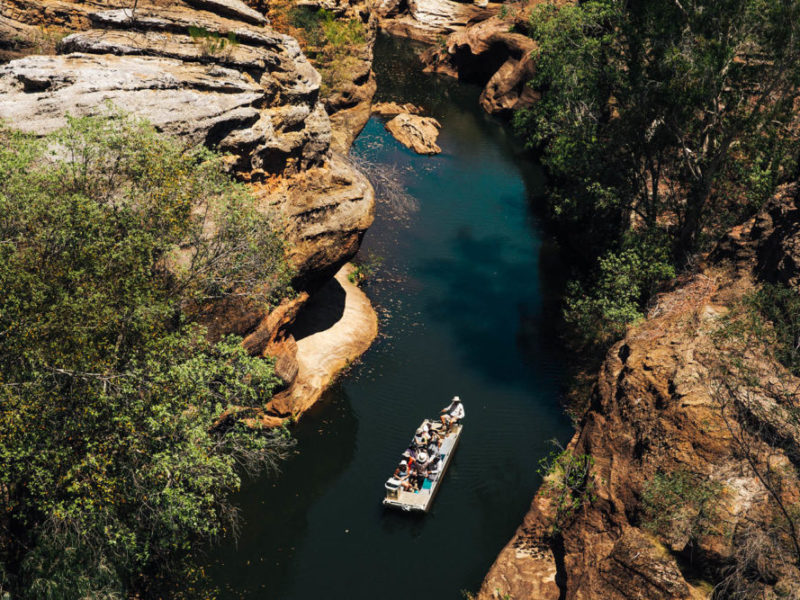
668	400
489	53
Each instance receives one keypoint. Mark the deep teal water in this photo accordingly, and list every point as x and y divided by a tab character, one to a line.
467	294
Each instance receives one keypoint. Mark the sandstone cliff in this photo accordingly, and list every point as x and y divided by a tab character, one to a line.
212	72
492	53
694	437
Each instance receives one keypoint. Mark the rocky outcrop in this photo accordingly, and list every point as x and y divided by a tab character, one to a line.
336	327
211	72
683	393
415	132
392	109
348	83
427	20
212	79
489	53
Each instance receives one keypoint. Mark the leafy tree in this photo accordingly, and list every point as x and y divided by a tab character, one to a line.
115	462
663	120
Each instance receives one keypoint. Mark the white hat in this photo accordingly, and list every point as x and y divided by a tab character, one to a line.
456	399
419	431
403	463
422	457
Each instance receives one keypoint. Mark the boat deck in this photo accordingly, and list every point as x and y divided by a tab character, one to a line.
422	500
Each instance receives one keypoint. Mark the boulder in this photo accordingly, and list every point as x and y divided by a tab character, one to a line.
416	132
392	109
425	20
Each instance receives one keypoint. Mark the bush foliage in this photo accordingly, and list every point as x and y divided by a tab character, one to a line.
111	467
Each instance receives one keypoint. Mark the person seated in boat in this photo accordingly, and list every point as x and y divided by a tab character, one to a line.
452	413
434	448
434	468
411	452
421	438
403	475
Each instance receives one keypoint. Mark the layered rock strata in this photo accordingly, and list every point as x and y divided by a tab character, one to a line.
211	72
427	20
681	394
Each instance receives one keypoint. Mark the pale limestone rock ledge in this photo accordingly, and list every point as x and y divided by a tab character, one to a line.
335	327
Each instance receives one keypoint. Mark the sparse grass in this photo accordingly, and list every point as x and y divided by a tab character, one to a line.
332	44
211	43
680	504
568	483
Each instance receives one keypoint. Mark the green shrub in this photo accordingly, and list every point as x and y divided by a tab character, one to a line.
211	43
614	299
568	483
112	469
780	304
321	28
679	505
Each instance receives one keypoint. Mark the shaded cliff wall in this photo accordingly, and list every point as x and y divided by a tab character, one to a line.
682	398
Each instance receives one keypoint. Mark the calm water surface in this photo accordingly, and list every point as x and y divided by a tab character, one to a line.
466	298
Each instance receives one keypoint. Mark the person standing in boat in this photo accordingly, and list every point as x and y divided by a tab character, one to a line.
452	413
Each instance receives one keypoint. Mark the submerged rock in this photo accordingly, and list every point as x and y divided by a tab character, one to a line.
416	132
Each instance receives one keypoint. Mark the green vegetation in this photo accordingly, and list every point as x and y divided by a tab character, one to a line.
680	505
756	410
115	463
332	44
780	305
568	483
661	124
364	267
211	43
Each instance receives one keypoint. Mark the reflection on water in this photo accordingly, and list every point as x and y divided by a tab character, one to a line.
465	296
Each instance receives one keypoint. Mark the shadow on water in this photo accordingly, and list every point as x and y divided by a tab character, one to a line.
275	519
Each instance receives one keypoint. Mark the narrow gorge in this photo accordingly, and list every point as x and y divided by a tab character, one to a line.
424	264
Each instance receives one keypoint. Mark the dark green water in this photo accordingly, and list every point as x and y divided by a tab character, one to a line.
466	298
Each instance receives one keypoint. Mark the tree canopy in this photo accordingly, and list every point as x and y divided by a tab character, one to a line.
113	461
662	124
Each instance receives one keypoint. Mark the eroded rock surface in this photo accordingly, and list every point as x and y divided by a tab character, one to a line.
337	327
416	132
487	52
392	109
680	394
427	20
